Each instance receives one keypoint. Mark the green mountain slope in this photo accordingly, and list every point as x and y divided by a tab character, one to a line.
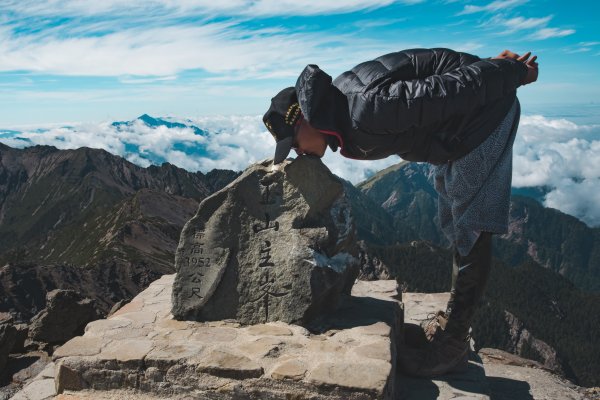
553	239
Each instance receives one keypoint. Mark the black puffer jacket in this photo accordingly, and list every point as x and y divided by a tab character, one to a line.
431	105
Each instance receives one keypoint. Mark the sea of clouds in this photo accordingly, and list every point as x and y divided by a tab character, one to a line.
554	152
564	156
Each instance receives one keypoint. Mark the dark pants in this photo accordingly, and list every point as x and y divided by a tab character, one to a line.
470	274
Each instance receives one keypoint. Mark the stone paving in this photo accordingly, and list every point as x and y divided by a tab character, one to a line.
350	356
511	377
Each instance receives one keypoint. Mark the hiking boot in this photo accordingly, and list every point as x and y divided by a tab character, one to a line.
448	340
433	323
444	354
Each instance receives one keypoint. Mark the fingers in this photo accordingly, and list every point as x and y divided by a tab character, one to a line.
524	57
532	62
528	61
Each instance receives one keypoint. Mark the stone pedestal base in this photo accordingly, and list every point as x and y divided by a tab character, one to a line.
350	355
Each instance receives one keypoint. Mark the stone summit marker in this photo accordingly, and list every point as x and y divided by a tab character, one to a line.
276	244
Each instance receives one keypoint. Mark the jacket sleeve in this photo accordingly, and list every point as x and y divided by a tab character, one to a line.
392	106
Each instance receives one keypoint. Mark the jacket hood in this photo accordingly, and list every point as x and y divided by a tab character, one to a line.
323	105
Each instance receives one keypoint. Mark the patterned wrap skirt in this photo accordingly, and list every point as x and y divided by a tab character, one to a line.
474	190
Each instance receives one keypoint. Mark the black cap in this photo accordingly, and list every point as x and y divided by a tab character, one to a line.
280	119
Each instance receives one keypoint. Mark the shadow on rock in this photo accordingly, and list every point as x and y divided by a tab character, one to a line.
356	311
509	389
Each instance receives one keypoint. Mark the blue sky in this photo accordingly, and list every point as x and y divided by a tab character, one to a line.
64	61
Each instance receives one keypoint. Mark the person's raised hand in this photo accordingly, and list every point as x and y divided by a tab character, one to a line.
532	65
532	71
514	56
507	54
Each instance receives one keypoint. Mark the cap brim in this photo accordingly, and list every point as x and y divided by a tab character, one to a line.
282	149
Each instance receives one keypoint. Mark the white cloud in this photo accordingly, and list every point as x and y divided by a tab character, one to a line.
192	7
516	24
137	81
163	51
588	43
563	156
547	33
519	23
248	133
376	23
492	7
537	129
586	194
356	171
146	41
578	50
136	159
467	47
235	141
231	142
138	54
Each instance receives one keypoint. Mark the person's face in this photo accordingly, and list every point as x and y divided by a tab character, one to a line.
308	140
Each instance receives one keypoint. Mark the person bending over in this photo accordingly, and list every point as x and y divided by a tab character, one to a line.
454	110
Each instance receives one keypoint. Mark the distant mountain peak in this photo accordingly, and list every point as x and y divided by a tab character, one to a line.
153	122
147	119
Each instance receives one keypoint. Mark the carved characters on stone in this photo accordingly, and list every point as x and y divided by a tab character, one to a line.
198	277
266	267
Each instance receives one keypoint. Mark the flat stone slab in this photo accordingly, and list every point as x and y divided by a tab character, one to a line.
349	355
41	387
512	377
471	384
116	394
419	306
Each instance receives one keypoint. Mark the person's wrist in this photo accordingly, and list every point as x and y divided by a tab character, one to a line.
524	78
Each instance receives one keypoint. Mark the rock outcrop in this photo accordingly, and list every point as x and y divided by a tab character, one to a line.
276	244
8	337
525	344
66	315
22	334
371	267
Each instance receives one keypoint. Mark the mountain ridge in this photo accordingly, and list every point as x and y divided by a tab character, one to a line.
83	211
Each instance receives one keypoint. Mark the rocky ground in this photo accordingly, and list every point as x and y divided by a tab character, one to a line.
140	352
